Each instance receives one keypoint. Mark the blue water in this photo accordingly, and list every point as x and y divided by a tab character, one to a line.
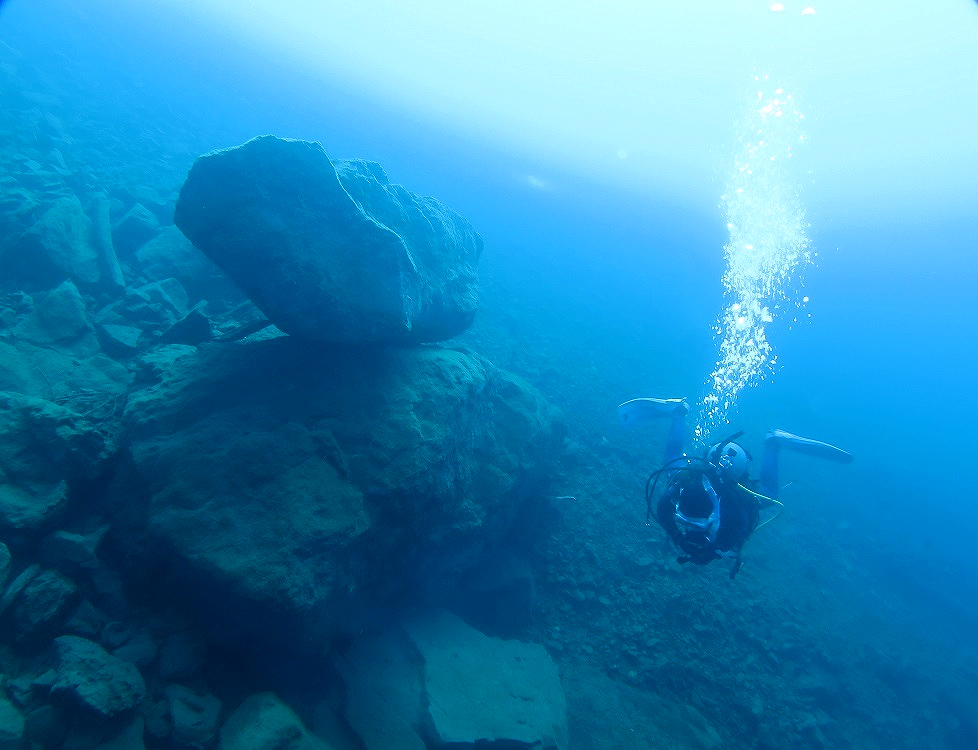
598	294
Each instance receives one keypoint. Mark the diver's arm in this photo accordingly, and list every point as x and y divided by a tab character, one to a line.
640	410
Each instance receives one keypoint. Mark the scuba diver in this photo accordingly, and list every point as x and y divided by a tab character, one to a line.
709	507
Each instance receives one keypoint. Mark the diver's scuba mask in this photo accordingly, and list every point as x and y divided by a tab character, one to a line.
693	526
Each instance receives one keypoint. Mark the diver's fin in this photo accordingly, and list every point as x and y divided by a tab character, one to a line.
640	410
799	444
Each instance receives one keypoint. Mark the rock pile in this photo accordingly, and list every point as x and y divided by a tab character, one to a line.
172	489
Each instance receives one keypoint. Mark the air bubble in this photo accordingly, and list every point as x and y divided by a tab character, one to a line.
767	243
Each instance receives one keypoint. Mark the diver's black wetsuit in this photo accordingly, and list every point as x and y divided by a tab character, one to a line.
739	516
709	507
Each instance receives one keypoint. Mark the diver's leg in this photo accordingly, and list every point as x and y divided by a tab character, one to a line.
677	433
807	446
777	439
769	468
640	410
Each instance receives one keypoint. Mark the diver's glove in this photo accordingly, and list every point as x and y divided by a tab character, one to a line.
640	410
798	444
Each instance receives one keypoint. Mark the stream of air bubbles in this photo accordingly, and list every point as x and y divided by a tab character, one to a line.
767	244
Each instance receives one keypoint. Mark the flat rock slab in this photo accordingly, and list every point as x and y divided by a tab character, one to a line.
485	691
335	254
436	682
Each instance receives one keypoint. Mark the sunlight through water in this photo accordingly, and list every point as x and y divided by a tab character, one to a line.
767	245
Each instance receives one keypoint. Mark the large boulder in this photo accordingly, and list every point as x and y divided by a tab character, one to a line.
301	479
333	254
436	682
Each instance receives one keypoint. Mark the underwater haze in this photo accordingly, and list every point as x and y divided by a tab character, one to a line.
766	208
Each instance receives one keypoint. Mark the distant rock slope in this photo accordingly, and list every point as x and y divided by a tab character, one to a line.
301	479
332	254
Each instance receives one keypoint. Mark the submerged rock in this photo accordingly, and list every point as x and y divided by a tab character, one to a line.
55	353
60	321
42	605
44	447
151	307
298	479
437	682
195	717
11	726
91	678
17	585
119	340
56	375
61	243
172	255
72	550
264	721
109	268
137	226
332	254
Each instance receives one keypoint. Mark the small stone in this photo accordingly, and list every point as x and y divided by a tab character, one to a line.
43	604
264	721
119	340
156	714
43	683
136	227
91	677
61	321
141	650
195	717
116	633
757	706
11	726
62	240
20	691
30	509
192	329
87	621
62	547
